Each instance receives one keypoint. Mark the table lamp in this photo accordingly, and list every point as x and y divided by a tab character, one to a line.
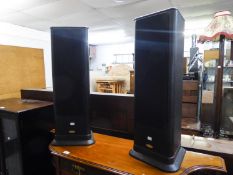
220	29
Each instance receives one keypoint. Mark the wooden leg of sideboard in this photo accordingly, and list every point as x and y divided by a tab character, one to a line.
56	163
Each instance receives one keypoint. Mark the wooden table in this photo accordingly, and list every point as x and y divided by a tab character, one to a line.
109	86
110	155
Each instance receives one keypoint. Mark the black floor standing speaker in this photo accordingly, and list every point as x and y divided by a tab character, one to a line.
159	47
70	68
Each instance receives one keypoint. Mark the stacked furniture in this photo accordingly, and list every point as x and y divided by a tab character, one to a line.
190	119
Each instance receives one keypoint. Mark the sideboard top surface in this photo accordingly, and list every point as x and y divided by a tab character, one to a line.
112	154
17	105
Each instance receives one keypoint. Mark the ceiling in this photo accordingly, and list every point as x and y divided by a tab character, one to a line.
104	15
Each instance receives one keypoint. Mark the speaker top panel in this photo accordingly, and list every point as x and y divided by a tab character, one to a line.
170	10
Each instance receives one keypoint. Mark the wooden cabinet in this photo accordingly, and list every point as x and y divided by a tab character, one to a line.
190	99
25	128
227	111
70	167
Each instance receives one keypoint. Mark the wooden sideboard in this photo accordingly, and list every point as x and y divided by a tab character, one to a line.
110	155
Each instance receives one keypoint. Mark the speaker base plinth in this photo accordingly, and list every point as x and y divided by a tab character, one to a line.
73	141
172	167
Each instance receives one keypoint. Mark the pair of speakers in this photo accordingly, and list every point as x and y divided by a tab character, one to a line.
159	46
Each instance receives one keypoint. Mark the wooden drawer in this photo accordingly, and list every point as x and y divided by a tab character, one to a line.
190	91
69	167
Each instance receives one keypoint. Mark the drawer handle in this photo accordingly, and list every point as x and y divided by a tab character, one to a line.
77	169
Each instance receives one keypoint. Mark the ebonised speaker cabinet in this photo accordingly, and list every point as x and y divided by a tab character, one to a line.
25	130
159	47
70	69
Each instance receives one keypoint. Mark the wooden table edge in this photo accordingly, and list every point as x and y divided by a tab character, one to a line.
120	172
203	167
89	163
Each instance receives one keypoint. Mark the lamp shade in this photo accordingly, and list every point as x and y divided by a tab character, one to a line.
222	24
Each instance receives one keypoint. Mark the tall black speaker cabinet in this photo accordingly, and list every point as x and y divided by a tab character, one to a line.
159	46
25	135
71	91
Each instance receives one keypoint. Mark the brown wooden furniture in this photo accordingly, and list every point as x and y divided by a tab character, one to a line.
190	99
25	127
20	67
109	86
132	79
190	121
37	94
227	111
112	114
110	155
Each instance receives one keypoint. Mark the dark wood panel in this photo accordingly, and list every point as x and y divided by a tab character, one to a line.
207	114
26	126
190	85
37	94
112	112
189	110
17	105
109	113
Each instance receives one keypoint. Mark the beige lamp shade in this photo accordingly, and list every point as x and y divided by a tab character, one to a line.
222	24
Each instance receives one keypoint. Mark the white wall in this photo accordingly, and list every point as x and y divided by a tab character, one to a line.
105	53
21	36
25	37
188	45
